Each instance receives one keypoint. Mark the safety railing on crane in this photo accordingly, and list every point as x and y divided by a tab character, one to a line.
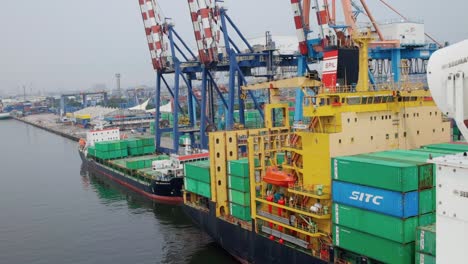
391	86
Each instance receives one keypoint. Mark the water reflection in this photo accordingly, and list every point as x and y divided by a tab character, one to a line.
178	240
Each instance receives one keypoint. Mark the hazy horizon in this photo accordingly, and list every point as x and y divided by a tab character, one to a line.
69	45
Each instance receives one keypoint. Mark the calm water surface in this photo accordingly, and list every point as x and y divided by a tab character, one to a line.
54	211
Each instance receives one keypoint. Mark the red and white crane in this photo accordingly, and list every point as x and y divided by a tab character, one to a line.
205	16
331	33
155	34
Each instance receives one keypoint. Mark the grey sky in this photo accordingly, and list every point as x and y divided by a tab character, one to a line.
55	45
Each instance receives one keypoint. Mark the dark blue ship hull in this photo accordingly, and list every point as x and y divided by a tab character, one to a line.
163	191
246	246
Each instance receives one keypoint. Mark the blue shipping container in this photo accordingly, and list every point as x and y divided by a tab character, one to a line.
392	203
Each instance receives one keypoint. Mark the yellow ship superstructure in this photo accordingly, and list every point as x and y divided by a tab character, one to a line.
340	121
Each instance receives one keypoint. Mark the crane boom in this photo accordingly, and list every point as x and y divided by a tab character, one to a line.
299	23
154	33
206	29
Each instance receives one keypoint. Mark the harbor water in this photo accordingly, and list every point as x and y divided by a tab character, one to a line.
54	211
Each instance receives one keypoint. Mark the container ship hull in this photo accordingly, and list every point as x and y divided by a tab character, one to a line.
245	245
162	191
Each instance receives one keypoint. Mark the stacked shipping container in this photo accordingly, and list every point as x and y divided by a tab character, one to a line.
142	163
426	244
109	150
239	189
122	148
140	146
379	202
197	178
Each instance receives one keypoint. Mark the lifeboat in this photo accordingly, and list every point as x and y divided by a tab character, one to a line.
278	177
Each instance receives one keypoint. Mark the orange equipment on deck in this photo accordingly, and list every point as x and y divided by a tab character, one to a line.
279	178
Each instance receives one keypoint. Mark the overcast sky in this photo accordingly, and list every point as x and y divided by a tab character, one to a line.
55	45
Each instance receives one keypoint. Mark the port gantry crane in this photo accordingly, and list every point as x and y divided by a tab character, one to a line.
171	55
211	25
332	35
166	46
84	96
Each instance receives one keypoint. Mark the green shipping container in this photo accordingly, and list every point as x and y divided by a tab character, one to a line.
413	156
426	239
91	152
239	168
132	143
162	157
204	189
426	171
448	146
133	165
145	141
138	164
239	183
437	152
239	211
124	153
199	170
241	198
280	158
427	203
375	172
102	154
385	226
374	247
191	185
148	163
422	258
136	151
148	150
102	146
197	187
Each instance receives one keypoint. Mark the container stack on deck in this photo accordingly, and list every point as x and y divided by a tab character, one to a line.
140	146
109	150
142	163
197	178
239	189
379	203
426	244
454	148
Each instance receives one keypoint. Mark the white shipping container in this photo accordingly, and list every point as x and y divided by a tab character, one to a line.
408	33
452	204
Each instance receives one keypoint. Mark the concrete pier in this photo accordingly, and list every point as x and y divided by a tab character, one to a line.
49	122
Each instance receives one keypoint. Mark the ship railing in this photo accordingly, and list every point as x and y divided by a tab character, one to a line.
303	227
311	97
384	86
297	207
310	190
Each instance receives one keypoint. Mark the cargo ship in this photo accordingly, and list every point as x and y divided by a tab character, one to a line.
3	115
133	163
352	184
